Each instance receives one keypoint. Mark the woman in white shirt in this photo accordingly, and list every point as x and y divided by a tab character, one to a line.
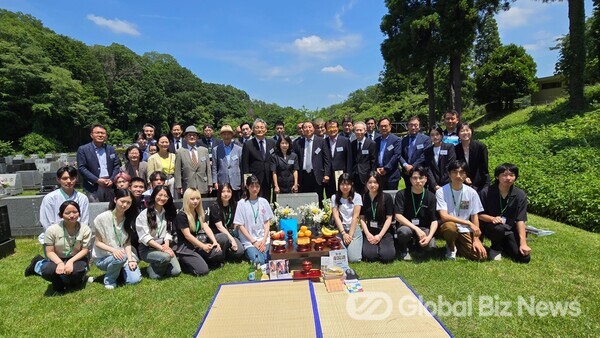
112	250
346	205
253	217
154	226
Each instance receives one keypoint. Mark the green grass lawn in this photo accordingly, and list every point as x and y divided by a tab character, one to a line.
564	268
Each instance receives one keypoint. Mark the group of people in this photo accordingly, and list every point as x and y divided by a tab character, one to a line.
448	193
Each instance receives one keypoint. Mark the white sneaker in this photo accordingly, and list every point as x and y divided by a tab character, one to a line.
405	256
451	254
90	279
495	255
109	286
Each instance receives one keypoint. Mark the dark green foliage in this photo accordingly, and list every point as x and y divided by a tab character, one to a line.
507	75
6	148
34	143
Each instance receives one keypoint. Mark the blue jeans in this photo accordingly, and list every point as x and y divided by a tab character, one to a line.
355	247
113	268
255	255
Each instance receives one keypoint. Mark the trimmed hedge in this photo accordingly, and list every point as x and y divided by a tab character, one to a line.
558	154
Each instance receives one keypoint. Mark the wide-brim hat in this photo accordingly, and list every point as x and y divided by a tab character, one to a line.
226	129
190	129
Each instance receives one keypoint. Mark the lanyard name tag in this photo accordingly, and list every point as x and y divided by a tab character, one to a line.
419	146
271	151
389	148
444	152
365	151
318	151
374	224
339	149
234	157
290	161
503	219
415	221
203	158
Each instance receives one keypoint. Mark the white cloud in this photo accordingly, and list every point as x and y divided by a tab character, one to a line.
516	17
336	96
339	24
316	46
542	40
334	69
115	25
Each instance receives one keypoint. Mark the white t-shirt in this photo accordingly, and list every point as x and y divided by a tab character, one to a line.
253	215
459	203
346	208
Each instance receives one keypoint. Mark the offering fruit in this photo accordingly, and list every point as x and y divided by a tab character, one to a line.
304	232
318	240
279	243
277	235
328	232
303	240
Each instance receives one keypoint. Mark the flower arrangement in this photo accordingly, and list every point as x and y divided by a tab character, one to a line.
311	213
4	183
280	212
327	212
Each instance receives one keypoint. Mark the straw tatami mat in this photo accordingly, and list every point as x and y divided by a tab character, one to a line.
266	309
336	321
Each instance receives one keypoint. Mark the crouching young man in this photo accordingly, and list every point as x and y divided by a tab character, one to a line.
458	205
504	215
415	214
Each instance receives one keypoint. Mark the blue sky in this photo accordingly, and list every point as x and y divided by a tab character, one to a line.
307	53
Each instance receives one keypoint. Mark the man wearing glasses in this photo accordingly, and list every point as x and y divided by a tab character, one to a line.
412	148
192	165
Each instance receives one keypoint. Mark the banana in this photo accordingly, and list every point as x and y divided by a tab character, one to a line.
327	232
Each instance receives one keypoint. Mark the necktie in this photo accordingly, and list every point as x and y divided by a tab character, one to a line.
411	140
177	145
262	149
359	146
370	136
308	161
194	158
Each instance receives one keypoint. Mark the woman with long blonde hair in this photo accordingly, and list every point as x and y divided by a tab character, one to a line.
197	248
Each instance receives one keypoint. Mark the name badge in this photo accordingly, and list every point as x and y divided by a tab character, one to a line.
291	161
318	151
374	224
503	219
390	147
203	158
271	151
234	157
365	151
415	221
112	156
444	152
419	146
339	149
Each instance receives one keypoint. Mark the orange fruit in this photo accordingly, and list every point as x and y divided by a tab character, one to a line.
301	234
307	233
303	228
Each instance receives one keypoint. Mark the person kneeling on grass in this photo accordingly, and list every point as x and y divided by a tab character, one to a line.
112	250
346	205
376	219
253	217
504	215
197	247
220	221
154	226
415	214
458	205
67	245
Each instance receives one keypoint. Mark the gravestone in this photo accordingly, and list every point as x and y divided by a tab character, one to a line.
34	156
7	243
19	157
49	157
95	209
15	187
2	159
30	179
296	200
40	161
8	159
27	166
2	168
24	215
43	167
63	158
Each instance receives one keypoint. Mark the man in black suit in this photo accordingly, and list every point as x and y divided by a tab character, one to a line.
372	132
149	131
364	153
413	145
348	125
279	130
176	141
98	163
388	155
314	160
208	140
246	133
256	157
341	155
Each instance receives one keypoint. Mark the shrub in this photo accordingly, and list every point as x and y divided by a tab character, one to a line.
34	143
6	148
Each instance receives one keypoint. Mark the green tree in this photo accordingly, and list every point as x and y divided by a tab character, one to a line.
488	39
508	75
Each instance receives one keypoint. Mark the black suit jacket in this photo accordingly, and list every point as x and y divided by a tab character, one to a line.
478	163
321	157
421	143
342	155
437	173
182	144
365	161
253	162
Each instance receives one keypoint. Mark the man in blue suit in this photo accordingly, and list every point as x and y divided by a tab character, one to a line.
98	163
413	146
227	163
388	155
